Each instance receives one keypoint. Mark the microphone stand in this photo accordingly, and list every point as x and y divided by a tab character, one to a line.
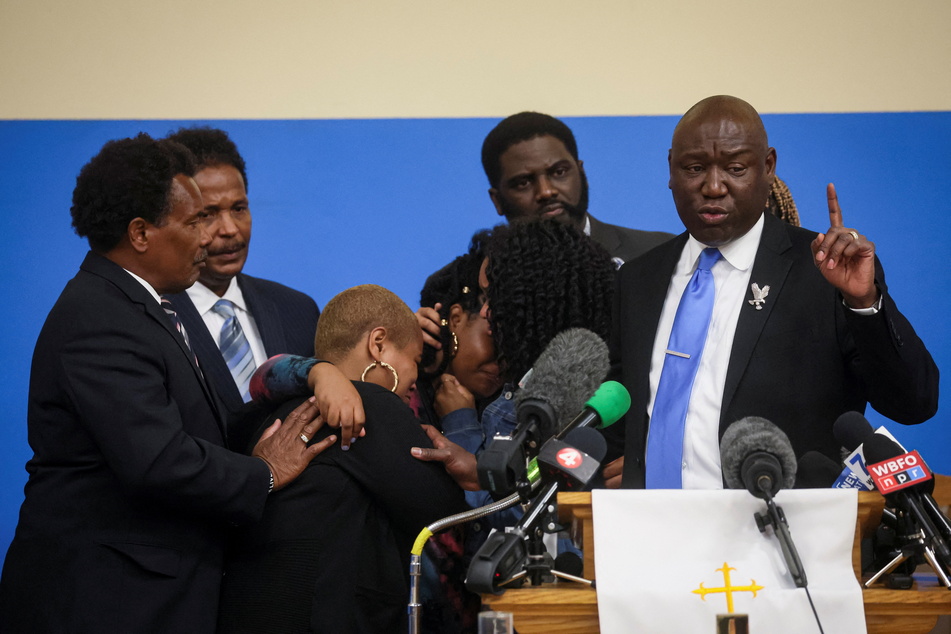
777	519
920	543
509	557
415	564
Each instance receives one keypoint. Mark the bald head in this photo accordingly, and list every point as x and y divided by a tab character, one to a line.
726	108
721	169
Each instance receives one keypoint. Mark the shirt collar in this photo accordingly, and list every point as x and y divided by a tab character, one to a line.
204	298
740	252
145	284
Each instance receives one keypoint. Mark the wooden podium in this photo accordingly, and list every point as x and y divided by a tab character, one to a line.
566	607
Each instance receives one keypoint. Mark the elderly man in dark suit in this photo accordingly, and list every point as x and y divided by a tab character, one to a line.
131	490
236	321
799	327
531	161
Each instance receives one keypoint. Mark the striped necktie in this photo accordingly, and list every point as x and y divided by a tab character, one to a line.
235	348
665	438
173	316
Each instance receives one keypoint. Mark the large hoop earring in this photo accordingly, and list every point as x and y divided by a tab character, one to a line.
384	364
455	343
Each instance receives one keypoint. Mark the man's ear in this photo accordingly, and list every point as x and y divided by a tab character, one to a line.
670	168
138	234
494	195
771	163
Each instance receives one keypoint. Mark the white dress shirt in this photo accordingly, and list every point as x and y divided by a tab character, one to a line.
204	299
731	276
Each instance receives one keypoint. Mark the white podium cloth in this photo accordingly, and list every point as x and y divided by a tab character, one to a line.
661	556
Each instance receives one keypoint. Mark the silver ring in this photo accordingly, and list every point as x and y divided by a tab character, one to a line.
854	235
304	438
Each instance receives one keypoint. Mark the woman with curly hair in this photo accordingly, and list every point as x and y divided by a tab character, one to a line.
460	371
539	279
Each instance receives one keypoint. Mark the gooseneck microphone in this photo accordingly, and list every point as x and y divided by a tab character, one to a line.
566	374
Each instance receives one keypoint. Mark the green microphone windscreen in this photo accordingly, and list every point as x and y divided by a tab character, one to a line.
611	402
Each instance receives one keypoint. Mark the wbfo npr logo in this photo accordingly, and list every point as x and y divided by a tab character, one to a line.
897	473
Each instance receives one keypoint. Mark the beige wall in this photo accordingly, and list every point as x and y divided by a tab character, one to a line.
375	58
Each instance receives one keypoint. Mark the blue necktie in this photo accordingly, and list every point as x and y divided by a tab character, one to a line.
665	439
235	348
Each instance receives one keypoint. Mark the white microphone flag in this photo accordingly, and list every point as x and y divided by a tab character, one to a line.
673	560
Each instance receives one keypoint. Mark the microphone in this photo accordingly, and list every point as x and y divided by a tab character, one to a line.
605	408
852	430
565	375
757	455
816	471
574	461
904	479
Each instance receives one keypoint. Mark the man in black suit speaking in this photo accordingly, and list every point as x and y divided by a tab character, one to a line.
236	321
131	490
799	329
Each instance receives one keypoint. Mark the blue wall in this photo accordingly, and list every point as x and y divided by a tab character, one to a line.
343	202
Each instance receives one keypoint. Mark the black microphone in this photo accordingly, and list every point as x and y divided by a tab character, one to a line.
816	471
905	480
852	429
565	375
574	461
757	455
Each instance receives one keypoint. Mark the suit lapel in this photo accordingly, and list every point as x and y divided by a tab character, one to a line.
770	268
607	238
651	304
105	268
267	316
213	365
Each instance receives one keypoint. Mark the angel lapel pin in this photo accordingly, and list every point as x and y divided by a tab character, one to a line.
759	295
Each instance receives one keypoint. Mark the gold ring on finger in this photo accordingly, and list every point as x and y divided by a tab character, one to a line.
854	235
304	438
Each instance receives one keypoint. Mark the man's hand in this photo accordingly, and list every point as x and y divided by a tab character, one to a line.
451	395
283	448
845	258
339	403
612	473
459	463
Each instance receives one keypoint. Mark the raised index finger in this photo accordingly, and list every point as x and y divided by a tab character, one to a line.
835	213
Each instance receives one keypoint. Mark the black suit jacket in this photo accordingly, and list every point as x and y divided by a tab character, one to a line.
331	554
286	320
623	243
800	362
130	490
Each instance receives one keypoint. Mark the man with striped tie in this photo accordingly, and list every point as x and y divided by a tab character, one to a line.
235	321
132	493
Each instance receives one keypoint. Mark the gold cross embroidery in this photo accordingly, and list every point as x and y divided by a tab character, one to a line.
728	589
